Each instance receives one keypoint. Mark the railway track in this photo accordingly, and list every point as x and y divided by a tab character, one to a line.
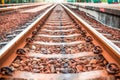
110	33
7	34
17	8
59	46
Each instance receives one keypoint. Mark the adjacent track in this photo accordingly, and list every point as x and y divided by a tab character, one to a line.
60	46
15	8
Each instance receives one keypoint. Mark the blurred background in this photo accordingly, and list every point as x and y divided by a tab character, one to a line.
27	1
58	1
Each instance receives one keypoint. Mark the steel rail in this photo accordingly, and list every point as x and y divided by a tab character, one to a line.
6	51
111	48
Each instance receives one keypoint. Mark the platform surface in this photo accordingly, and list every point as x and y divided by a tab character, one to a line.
102	7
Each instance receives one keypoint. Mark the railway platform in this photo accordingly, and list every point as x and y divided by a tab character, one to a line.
102	12
102	7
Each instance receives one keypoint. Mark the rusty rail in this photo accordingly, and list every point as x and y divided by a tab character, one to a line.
113	50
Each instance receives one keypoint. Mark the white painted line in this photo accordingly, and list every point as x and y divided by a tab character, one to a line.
57	21
3	43
57	36
58	30
106	34
98	28
74	55
114	41
89	75
61	26
51	43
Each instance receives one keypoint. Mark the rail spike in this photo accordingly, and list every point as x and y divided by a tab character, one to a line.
29	40
97	50
88	39
112	68
6	71
34	32
20	51
83	33
79	27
